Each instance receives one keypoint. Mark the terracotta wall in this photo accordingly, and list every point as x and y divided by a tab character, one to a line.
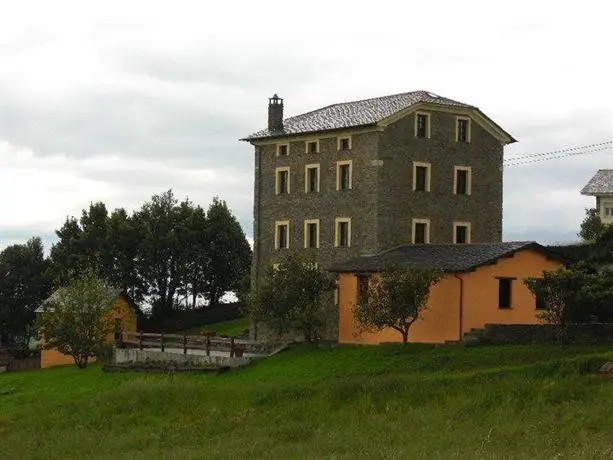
441	321
120	310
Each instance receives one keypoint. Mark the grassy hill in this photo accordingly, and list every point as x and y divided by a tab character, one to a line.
343	403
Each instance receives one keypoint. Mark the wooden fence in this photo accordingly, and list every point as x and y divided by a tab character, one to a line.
206	343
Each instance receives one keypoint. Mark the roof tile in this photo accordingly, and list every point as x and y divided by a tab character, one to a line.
600	184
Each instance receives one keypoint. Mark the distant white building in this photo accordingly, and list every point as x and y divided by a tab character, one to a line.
601	186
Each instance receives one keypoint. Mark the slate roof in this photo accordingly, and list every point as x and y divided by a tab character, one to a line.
600	184
447	257
354	114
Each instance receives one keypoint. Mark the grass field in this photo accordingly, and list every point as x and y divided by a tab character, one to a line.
344	403
230	328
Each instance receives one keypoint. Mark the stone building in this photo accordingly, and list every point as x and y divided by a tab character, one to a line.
354	178
601	187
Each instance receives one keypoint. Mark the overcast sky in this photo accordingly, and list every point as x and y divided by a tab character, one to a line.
123	100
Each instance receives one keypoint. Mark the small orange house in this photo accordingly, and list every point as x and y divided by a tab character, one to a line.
123	312
483	284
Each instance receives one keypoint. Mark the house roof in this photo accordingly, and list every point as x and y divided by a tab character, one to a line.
600	184
446	257
45	306
354	114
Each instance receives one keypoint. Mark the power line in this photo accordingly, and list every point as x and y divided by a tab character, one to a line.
600	145
566	154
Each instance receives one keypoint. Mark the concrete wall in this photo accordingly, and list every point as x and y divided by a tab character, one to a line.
126	355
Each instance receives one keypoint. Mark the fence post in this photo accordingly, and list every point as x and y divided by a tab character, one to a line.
140	340
184	344
162	340
208	345
231	347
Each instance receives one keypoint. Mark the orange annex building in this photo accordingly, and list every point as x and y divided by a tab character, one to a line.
483	284
125	319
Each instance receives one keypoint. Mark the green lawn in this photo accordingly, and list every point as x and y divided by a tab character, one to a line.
230	328
350	402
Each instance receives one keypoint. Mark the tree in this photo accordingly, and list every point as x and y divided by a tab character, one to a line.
395	298
77	320
291	299
25	281
229	254
591	227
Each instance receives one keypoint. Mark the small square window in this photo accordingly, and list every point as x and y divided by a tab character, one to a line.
504	292
312	147
283	150
344	143
461	232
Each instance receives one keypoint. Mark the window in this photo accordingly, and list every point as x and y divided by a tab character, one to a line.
311	233
539	301
461	232
504	292
422	125
282	150
282	234
363	281
342	236
607	211
312	146
282	181
344	143
343	175
462	129
421	231
462	182
421	177
311	178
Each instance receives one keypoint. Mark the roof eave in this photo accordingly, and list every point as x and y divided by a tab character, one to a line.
307	133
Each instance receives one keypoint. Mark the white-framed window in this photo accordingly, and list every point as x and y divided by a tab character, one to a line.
344	173
420	229
343	143
342	232
312	146
282	181
461	232
421	176
311	178
463	129
282	234
422	125
311	233
606	210
283	150
462	180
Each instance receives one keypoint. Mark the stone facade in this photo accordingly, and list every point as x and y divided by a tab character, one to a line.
381	202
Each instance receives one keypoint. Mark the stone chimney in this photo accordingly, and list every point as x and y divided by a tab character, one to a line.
275	113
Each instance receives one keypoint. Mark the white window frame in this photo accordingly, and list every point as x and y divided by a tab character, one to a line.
428	124
338	173
306	177
339	139
308	222
279	149
468	232
604	204
280	223
278	181
337	235
414	223
469	129
306	145
428	166
469	179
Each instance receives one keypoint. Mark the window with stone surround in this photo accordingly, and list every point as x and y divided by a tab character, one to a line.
282	150
462	181
282	185
461	232
343	175
311	233
311	178
343	143
282	234
463	130
312	146
342	234
420	231
421	177
422	125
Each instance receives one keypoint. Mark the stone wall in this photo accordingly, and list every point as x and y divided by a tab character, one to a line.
127	355
580	334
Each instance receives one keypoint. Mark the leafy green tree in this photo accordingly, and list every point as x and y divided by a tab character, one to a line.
77	320
591	226
395	298
25	281
122	245
291	299
228	252
67	255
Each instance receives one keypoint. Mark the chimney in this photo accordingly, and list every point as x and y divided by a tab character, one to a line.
275	113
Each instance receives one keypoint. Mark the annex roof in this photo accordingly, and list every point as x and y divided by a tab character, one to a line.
446	257
47	304
600	184
360	113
